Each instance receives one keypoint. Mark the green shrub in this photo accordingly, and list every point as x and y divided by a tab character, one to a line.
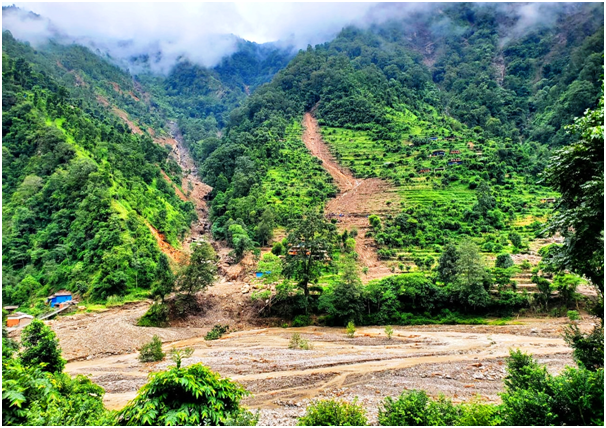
476	413
114	301
333	413
193	395
588	347
156	316
388	331
301	321
409	409
297	342
216	332
152	351
573	315
350	330
534	397
277	249
245	418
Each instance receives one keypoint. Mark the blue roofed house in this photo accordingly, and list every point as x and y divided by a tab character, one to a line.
58	298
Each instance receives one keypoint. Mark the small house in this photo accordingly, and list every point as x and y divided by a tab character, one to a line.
424	170
438	153
548	200
18	319
456	161
439	169
433	138
455	152
58	298
10	309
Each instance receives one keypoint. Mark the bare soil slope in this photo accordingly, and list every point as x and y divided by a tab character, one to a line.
357	199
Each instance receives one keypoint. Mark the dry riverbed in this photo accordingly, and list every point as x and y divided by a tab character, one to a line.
458	361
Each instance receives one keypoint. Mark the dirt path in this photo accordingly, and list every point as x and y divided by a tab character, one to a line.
357	199
459	361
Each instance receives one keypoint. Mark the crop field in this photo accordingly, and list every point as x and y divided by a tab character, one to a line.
424	182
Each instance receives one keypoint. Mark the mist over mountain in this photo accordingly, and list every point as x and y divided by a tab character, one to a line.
162	34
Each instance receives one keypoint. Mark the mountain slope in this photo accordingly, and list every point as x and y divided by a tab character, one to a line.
385	107
80	192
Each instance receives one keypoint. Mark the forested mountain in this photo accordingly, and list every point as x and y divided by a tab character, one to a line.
79	191
202	98
456	78
402	88
66	139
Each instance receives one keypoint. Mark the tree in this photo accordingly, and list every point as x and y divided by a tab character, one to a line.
447	264
193	395
503	261
41	346
471	276
165	279
577	173
9	346
486	201
516	239
344	303
200	272
239	240
311	241
265	228
566	285
545	289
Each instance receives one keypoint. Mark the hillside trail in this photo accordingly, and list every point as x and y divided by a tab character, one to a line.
356	201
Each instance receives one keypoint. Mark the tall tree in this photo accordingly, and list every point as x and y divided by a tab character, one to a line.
577	173
311	241
201	271
165	279
344	303
447	264
471	275
41	346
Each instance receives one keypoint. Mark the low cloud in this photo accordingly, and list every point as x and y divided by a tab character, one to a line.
206	32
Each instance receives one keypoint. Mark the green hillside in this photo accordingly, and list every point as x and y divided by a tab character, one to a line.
385	105
79	191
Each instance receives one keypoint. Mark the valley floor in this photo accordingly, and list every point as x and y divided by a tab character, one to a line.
459	361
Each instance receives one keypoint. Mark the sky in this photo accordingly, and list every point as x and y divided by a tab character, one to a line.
204	32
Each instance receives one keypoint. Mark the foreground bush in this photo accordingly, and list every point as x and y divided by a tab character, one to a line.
333	413
415	408
194	395
34	397
534	397
40	346
152	351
